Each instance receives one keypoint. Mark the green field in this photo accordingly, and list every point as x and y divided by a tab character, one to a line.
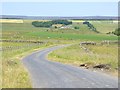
27	31
105	26
14	51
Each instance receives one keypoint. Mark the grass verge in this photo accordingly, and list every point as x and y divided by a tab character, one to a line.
98	54
14	75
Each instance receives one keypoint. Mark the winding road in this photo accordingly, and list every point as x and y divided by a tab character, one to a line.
48	74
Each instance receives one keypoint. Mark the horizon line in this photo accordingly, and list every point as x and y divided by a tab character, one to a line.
65	16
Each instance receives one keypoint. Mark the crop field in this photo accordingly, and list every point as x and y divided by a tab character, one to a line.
21	38
18	21
11	21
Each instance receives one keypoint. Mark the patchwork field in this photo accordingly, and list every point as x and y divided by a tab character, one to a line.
27	31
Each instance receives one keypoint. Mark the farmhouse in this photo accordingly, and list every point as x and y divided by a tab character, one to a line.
65	27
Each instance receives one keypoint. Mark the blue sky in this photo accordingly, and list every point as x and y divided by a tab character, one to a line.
60	8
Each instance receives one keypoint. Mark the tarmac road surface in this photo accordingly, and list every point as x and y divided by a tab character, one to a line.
48	74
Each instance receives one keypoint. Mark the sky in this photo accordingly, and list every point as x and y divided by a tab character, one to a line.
60	8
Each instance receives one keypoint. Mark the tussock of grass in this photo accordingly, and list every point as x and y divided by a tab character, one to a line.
15	75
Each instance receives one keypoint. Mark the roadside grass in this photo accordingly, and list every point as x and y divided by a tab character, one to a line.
108	54
14	75
75	55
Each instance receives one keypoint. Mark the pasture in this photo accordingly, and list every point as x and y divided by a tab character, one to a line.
105	26
27	31
22	30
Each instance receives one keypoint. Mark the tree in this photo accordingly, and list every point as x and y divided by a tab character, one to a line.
117	32
42	24
55	26
76	27
64	22
86	22
90	26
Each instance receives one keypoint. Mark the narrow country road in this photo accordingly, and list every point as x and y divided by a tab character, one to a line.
48	74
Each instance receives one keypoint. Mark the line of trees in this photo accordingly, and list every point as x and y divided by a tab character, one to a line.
50	23
116	32
42	24
90	26
64	22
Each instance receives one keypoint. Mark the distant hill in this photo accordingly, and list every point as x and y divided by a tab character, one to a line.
59	17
